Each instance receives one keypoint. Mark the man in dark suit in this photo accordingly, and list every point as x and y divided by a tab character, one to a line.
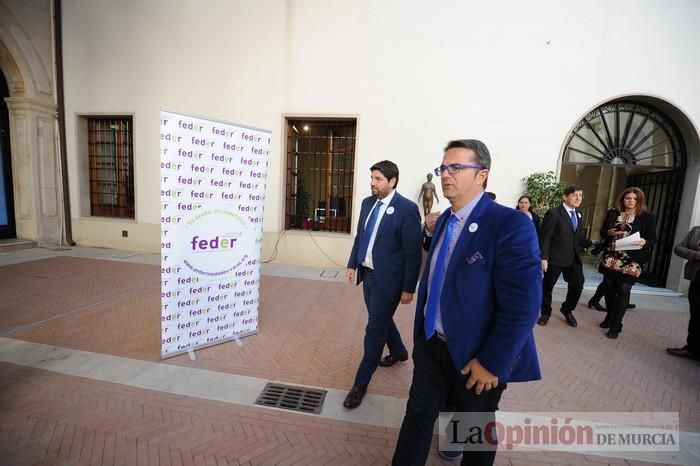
689	249
386	254
477	304
562	243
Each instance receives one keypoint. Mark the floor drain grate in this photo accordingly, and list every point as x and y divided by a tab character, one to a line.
305	400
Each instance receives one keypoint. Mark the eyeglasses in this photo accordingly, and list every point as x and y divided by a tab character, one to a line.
455	168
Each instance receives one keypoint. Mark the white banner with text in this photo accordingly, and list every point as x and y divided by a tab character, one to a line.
212	194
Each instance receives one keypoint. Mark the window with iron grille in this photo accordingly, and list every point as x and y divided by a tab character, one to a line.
320	167
111	167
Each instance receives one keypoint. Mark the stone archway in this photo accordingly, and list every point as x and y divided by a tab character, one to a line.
32	114
635	140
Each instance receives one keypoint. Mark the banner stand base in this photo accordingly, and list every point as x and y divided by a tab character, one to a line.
192	355
238	336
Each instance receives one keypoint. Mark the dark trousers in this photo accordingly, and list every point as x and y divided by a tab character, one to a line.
694	323
617	297
434	376
380	328
573	275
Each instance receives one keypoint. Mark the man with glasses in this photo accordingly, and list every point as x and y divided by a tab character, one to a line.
477	303
562	243
386	254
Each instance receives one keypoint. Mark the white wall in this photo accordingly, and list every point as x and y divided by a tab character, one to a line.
130	57
517	75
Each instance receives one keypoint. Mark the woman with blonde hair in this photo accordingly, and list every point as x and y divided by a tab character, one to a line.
621	269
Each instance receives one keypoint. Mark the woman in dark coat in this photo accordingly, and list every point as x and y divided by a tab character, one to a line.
525	206
621	269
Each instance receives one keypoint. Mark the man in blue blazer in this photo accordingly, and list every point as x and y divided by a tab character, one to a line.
477	303
386	254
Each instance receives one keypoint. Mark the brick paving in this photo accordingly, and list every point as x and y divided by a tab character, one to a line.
54	419
311	333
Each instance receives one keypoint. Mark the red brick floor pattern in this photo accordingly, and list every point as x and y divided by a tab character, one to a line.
53	419
50	419
311	333
37	290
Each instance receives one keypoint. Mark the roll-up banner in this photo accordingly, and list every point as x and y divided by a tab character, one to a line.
212	193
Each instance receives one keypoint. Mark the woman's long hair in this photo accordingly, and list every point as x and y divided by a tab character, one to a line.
641	205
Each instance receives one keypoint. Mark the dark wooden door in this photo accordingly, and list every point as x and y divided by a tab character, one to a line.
7	212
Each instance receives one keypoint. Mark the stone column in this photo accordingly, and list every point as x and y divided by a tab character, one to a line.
35	173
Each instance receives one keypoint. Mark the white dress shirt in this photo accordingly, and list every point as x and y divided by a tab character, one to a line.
382	210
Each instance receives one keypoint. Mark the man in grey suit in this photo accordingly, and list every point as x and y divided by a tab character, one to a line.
689	249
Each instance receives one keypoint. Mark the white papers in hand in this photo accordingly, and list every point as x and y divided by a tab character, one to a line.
627	244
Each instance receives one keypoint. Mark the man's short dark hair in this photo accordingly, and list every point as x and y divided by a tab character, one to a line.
483	156
388	169
572	189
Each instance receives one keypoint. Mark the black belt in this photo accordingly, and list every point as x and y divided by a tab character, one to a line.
441	336
366	269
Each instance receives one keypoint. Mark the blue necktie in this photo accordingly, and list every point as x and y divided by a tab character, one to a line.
436	282
574	220
367	235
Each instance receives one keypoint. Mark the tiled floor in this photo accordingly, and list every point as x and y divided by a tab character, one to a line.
310	333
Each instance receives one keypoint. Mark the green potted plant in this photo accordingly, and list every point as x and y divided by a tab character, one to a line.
301	200
544	190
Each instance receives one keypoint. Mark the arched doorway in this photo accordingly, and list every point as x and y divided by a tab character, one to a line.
629	143
7	212
26	62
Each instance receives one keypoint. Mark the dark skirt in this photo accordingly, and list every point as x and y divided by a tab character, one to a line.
618	266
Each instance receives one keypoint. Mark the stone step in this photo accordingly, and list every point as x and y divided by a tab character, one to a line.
14	244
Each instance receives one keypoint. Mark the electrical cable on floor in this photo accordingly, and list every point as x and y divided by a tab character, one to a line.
274	252
324	252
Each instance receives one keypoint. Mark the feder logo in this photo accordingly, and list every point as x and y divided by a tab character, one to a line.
212	244
216	240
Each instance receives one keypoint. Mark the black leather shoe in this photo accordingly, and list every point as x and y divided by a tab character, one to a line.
354	398
612	334
543	320
604	324
570	319
631	306
682	353
451	455
389	360
596	306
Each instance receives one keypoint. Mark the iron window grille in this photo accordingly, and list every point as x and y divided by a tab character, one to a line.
111	162
625	133
320	172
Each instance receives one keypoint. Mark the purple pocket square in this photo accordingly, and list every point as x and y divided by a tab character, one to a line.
474	257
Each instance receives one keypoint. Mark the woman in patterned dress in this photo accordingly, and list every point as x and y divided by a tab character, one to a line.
621	269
